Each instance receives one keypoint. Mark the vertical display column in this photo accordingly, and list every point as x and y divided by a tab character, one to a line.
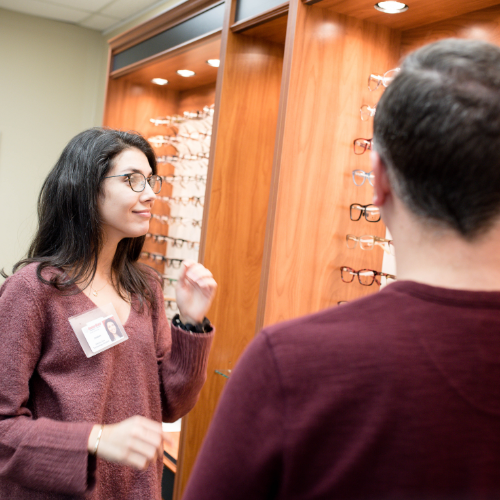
312	192
181	203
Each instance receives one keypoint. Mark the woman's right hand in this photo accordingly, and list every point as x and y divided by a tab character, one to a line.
136	442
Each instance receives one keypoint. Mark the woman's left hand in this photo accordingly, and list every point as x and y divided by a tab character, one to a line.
195	291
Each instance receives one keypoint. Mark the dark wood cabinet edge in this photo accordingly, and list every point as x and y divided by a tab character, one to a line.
178	49
168	19
273	192
311	2
268	15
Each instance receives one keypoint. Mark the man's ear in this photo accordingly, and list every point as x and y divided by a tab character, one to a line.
381	186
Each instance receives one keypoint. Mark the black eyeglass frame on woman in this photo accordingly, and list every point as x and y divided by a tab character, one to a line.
151	180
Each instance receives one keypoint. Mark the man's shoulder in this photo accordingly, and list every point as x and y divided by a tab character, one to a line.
358	314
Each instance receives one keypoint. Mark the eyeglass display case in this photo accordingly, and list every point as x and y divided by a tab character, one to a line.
287	96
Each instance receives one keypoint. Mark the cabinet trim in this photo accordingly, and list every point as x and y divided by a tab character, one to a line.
268	15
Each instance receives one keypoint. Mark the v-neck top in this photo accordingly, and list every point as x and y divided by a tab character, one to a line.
51	394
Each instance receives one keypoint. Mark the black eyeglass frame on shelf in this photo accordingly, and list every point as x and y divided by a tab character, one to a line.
363	209
151	180
370	276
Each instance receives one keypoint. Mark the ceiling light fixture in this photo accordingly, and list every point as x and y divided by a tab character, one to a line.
215	63
159	81
186	73
391	7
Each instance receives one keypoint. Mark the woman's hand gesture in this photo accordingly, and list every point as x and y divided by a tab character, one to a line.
195	292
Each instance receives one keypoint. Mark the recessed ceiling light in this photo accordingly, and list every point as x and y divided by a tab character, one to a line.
214	63
391	7
159	81
186	72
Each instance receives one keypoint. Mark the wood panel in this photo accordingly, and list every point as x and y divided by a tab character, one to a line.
274	31
420	12
482	25
196	99
235	228
332	57
262	19
192	56
130	105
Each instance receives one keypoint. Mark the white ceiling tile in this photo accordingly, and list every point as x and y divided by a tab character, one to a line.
98	22
126	8
87	5
44	9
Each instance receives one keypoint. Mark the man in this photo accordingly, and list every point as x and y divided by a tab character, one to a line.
397	395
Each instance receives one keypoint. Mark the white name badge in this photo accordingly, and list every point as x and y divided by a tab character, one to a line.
98	329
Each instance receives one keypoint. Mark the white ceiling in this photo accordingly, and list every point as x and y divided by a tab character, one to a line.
101	15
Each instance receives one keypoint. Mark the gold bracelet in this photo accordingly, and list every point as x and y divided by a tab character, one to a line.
98	439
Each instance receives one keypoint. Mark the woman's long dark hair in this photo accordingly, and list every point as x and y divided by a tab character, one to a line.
69	235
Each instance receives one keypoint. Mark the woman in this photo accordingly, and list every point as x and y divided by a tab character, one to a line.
112	330
73	426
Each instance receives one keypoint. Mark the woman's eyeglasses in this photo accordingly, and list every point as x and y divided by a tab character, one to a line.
361	145
366	277
359	177
375	81
368	242
371	212
137	182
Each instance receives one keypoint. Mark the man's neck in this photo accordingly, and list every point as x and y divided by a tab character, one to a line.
442	258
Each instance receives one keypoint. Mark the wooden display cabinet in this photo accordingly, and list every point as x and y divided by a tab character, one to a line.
287	97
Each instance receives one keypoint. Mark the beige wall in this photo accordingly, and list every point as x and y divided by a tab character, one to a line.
159	9
52	84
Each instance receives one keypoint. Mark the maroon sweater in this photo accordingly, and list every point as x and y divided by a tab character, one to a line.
395	396
51	394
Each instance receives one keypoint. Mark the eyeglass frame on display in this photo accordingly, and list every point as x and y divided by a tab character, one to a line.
384	79
171	179
376	241
356	273
171	281
366	175
364	209
129	178
184	200
176	242
369	113
183	157
367	144
175	263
